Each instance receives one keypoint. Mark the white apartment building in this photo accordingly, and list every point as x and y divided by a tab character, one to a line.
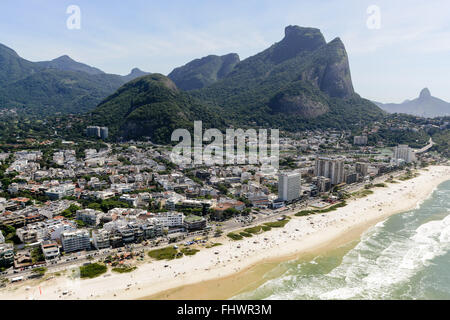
50	249
405	153
170	219
45	230
90	217
34	232
289	185
56	228
100	239
76	241
60	191
2	238
103	195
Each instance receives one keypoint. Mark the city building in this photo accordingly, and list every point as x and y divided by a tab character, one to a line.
351	177
330	168
152	229
104	133
89	216
170	219
50	229
323	184
60	192
405	153
93	131
97	132
2	238
259	200
131	199
193	222
360	140
6	255
362	168
115	239
76	241
50	249
100	239
289	185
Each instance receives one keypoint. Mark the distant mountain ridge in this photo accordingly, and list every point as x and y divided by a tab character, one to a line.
135	73
300	82
65	63
62	85
424	106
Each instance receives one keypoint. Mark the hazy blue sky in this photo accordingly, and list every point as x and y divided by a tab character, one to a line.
411	50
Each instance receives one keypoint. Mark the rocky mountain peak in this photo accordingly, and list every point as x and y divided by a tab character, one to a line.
425	93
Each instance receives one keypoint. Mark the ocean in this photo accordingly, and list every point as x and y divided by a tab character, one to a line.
404	257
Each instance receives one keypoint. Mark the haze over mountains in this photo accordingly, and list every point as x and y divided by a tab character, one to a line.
424	106
300	82
61	85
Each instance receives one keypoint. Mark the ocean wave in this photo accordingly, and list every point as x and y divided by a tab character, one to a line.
388	256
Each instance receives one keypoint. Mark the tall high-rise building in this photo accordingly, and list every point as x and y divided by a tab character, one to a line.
104	133
289	186
98	132
362	168
330	168
360	140
323	184
405	153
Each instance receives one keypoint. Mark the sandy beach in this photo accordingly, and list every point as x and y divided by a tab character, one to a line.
221	272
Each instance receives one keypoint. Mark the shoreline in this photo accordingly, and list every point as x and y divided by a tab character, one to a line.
220	276
255	275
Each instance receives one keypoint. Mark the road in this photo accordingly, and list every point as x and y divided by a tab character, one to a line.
427	147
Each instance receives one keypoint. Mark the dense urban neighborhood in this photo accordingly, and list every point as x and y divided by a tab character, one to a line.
60	206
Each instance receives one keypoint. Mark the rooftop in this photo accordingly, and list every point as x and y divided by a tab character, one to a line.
193	218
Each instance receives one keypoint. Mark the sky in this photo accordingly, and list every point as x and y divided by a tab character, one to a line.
394	50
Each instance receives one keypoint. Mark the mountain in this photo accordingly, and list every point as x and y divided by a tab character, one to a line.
301	82
13	67
152	106
58	86
53	91
135	73
425	106
65	63
202	72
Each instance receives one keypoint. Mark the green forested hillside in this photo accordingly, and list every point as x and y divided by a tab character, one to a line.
65	63
442	140
13	67
58	86
51	91
152	106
